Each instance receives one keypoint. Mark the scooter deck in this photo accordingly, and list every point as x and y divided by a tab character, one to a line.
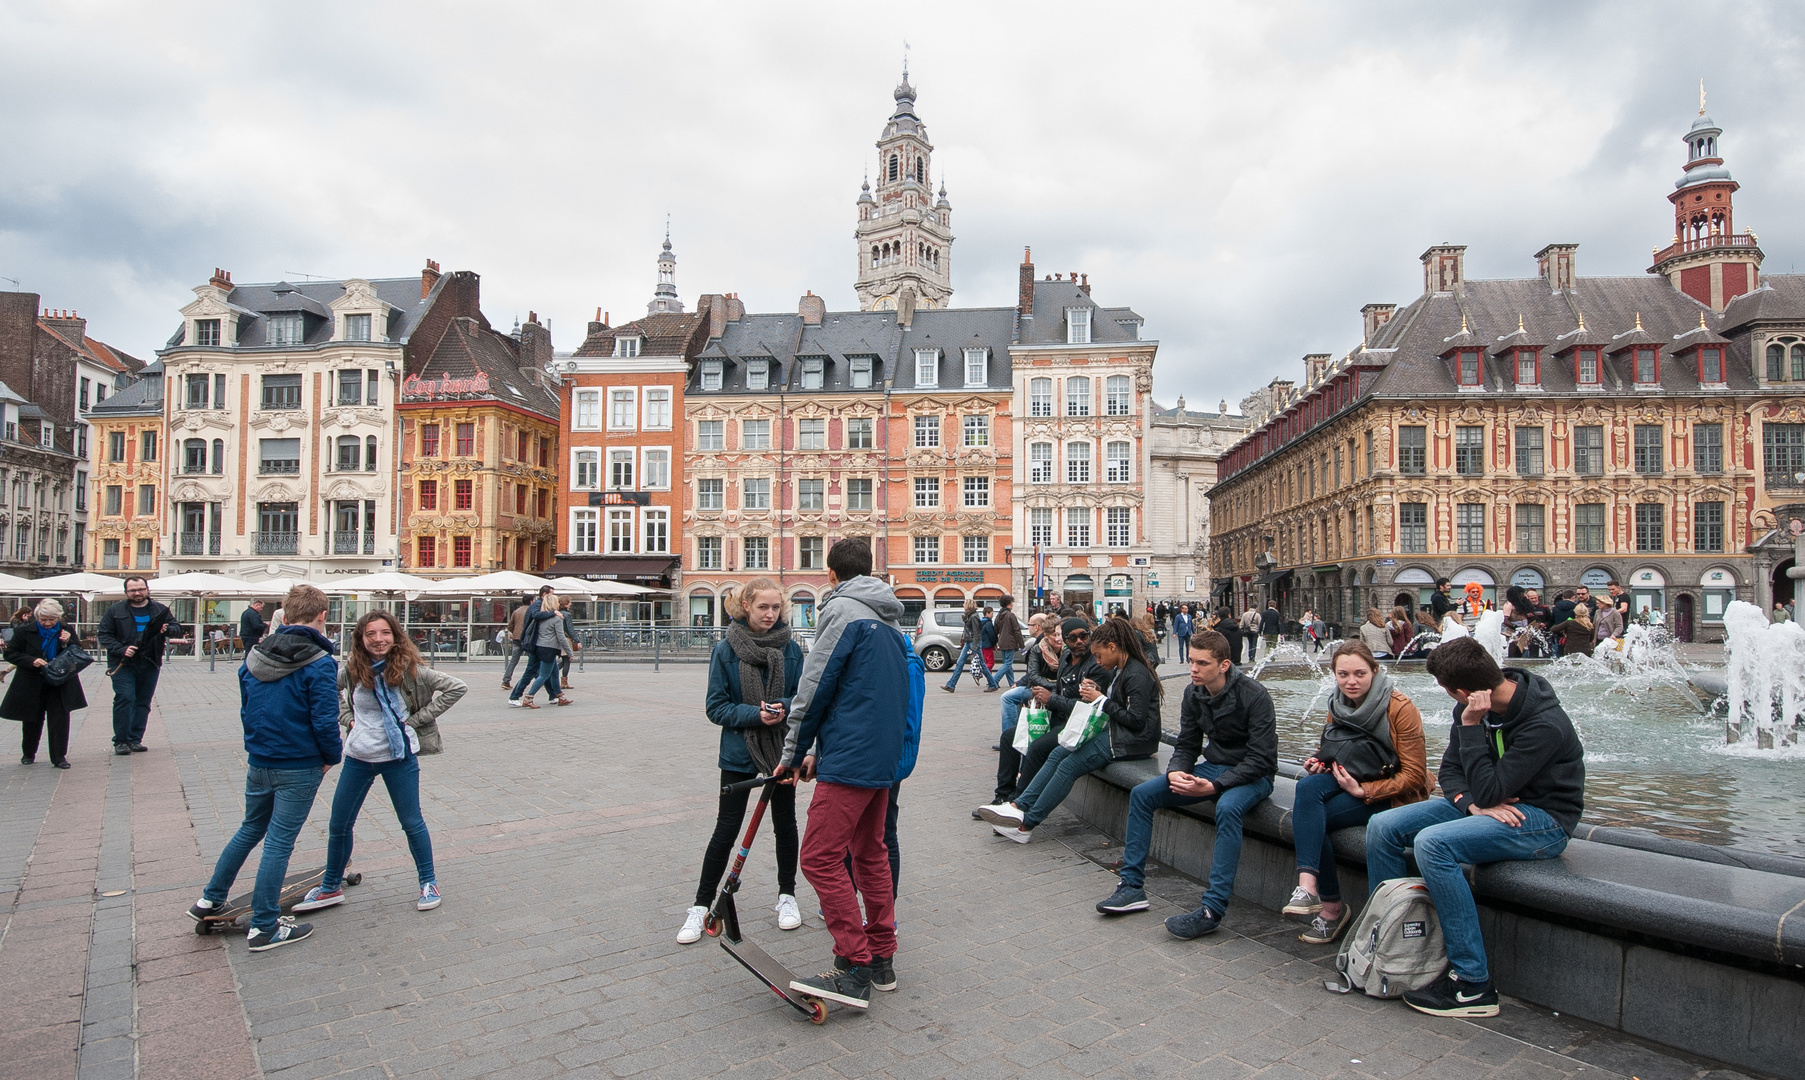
294	889
774	975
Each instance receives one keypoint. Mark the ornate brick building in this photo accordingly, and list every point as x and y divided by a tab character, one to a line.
129	462
1547	431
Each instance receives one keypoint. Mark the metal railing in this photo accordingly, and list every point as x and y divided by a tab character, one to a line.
193	543
271	468
346	543
1706	243
1789	480
278	543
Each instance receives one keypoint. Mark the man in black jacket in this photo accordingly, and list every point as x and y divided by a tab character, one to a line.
1272	624
1076	664
133	633
251	626
1235	713
1512	787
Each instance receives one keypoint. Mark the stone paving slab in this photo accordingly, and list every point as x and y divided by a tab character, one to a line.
568	841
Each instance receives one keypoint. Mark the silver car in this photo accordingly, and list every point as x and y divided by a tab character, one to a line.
938	643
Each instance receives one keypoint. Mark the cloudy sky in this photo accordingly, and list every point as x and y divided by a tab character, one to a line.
1243	175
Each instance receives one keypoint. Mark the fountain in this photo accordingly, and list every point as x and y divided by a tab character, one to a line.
1766	678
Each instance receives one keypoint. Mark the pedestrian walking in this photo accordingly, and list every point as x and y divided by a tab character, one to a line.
389	705
971	651
133	632
752	677
517	638
571	646
1182	628
544	635
288	697
34	703
849	720
1009	641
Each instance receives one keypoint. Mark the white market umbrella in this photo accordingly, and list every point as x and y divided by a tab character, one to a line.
67	583
203	584
502	581
578	587
386	581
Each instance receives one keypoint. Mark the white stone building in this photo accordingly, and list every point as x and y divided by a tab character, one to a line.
1183	446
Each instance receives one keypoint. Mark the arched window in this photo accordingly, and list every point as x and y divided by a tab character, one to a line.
893	166
370	454
1776	362
1798	362
194	455
219	457
921	171
874	255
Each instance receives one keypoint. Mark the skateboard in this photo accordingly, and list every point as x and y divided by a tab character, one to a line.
236	914
723	919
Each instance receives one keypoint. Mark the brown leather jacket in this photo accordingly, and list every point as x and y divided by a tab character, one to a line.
1413	781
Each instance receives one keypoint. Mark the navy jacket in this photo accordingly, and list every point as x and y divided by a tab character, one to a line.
726	709
853	700
288	690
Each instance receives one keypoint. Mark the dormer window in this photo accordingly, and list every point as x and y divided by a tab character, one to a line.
1711	364
711	374
977	367
284	329
1078	326
814	373
1585	366
1467	365
627	346
357	328
861	373
758	374
1648	365
206	331
927	367
1529	367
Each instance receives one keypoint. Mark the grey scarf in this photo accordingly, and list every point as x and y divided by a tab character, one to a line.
761	680
1373	715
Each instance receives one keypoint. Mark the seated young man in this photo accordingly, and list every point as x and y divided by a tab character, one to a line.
1513	784
1235	713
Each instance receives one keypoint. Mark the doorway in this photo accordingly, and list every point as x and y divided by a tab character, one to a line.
1783	585
1682	617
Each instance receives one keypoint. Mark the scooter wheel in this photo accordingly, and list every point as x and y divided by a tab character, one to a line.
818	1010
203	927
712	926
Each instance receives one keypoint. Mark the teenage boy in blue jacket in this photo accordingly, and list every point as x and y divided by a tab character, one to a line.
853	704
288	694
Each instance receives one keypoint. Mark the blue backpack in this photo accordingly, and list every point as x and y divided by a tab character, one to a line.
918	692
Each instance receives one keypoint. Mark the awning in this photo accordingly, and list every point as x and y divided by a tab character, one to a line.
1272	576
1325	568
638	569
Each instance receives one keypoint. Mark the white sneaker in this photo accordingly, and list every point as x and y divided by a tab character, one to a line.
1001	814
514	703
789	917
1013	832
692	926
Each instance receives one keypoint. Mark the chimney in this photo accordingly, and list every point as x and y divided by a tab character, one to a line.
736	308
1444	268
812	308
428	278
1375	316
222	279
67	323
1557	264
535	344
1084	285
714	305
905	307
1314	365
598	324
1024	297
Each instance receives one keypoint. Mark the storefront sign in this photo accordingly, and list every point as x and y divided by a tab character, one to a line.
443	388
1118	585
935	577
620	498
1527	578
1595	578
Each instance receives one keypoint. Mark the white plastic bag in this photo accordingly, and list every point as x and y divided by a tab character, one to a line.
1087	719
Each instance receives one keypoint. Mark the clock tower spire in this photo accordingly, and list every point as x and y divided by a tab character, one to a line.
904	234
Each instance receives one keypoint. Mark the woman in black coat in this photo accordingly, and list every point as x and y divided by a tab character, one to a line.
32	701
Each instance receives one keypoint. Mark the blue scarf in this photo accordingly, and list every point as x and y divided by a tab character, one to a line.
48	636
393	712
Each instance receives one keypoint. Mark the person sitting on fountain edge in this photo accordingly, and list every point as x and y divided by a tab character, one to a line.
1513	784
1235	713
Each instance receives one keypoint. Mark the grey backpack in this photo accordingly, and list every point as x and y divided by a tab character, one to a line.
1394	945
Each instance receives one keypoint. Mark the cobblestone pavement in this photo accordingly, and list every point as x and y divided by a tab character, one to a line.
568	842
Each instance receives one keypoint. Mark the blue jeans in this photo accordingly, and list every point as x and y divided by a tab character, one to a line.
548	673
1319	808
1231	805
133	686
402	778
1054	781
1014	701
1006	666
1444	837
526	677
966	652
276	804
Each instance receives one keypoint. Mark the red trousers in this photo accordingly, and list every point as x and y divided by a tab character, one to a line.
844	820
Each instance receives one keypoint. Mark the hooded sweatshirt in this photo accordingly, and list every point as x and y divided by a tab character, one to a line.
853	698
1531	753
288	690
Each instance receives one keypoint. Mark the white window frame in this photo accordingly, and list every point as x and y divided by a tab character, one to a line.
708	553
1111	400
1079	401
655	531
1041	518
719	432
927	367
761	484
719	494
870	497
657	409
618	457
926	550
927	432
758	374
1071	463
1118	518
654	460
623	408
925	493
1041	469
746	435
819	493
975	426
585	531
1039	404
867	427
586	460
974	492
1077	326
760	543
1078	526
966	545
1118	470
977	367
628	345
711	376
588	409
620	530
862	372
808	435
814	373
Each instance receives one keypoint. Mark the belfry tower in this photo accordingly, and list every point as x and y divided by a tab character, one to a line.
1707	260
664	295
904	235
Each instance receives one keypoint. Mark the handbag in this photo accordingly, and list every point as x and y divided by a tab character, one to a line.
1360	752
69	662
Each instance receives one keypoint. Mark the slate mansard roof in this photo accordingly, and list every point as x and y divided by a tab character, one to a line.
141	398
786	341
470	348
1051	301
310	299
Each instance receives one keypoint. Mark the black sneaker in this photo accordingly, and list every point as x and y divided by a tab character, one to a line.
140	748
122	749
1193	924
287	932
201	909
883	971
1125	899
851	987
1451	996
